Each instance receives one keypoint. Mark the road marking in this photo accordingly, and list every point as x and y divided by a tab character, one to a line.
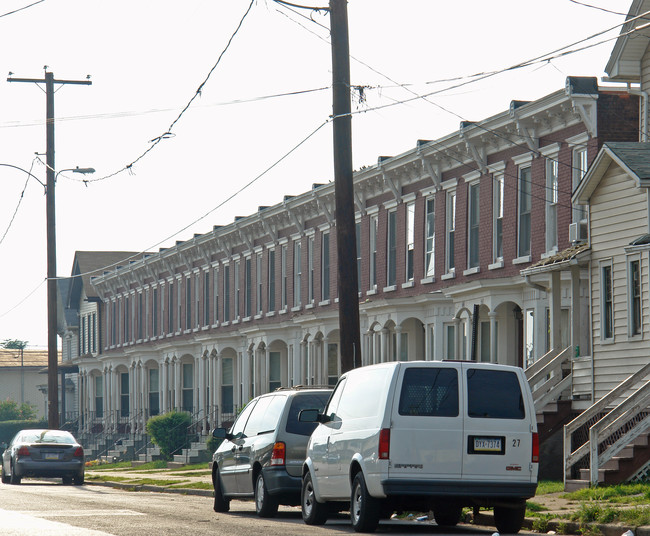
21	524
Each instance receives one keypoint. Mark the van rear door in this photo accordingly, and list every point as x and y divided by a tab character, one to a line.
498	428
427	422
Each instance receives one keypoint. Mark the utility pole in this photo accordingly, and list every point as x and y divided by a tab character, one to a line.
52	353
346	246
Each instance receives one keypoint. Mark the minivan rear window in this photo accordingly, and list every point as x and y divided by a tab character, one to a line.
305	401
494	394
429	392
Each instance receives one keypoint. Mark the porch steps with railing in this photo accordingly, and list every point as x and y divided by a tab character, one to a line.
152	453
608	443
552	418
197	453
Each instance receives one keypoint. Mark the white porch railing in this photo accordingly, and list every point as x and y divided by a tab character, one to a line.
549	376
612	424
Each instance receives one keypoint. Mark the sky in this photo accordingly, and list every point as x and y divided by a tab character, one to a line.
258	128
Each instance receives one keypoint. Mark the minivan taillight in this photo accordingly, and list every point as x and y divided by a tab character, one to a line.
279	454
384	444
22	451
535	456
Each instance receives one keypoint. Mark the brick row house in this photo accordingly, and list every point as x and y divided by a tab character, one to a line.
445	234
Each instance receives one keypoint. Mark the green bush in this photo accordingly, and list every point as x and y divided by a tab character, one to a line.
11	411
213	444
169	432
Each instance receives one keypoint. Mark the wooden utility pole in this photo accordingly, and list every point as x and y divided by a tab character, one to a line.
52	352
346	247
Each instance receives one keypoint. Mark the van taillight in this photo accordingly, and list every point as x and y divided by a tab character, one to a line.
535	457
278	456
384	444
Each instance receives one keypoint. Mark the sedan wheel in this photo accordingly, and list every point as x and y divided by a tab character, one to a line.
14	478
5	478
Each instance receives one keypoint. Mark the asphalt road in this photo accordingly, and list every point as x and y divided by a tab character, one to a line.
48	508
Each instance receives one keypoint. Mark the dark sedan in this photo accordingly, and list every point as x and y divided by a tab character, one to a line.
43	453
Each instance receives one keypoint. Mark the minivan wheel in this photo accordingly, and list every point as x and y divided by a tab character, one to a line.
221	504
448	515
509	519
265	505
313	512
364	509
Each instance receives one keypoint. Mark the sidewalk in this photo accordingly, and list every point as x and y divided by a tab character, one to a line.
199	482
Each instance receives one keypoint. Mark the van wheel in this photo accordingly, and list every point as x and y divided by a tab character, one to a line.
313	512
265	505
364	509
221	504
509	519
447	516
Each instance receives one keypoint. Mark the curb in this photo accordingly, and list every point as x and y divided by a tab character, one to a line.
157	489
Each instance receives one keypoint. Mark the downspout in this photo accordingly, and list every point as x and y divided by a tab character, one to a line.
537	286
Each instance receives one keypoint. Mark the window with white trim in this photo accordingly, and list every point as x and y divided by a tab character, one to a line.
258	285
226	293
325	267
497	217
450	229
580	165
374	222
391	249
248	287
524	191
357	234
310	269
283	277
297	272
635	320
552	189
271	281
473	225
606	302
430	238
410	239
237	287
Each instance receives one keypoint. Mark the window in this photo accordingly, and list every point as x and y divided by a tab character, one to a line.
206	298
197	300
283	278
271	283
154	397
188	302
258	285
429	392
179	305
552	190
227	382
529	337
216	295
297	272
304	401
579	170
473	225
332	363
237	288
634	281
523	244
494	394
93	333
325	267
451	229
99	396
155	312
357	234
124	394
310	268
497	222
83	335
607	304
188	387
248	287
140	324
127	319
410	239
170	308
275	371
450	341
374	221
226	293
430	239
391	249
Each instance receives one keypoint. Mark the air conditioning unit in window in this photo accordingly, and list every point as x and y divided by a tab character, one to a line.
578	231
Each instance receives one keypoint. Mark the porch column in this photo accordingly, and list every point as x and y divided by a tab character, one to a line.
555	306
576	313
398	342
218	381
162	391
492	315
384	344
202	388
178	401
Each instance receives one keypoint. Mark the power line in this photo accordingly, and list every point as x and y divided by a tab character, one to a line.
20	200
597	7
21	9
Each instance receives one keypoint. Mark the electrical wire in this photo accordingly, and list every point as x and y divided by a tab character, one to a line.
597	7
24	299
20	200
21	8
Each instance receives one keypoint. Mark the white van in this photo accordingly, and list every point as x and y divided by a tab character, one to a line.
423	435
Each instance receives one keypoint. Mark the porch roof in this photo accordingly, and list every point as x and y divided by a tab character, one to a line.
559	261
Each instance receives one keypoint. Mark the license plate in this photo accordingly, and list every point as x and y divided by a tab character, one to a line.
487	444
51	456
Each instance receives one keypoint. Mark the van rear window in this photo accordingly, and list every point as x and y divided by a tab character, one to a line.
494	394
429	392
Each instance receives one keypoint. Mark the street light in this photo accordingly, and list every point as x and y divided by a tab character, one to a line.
52	347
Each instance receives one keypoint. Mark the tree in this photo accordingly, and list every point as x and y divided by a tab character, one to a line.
11	411
13	344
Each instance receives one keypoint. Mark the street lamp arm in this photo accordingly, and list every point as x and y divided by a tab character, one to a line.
25	171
